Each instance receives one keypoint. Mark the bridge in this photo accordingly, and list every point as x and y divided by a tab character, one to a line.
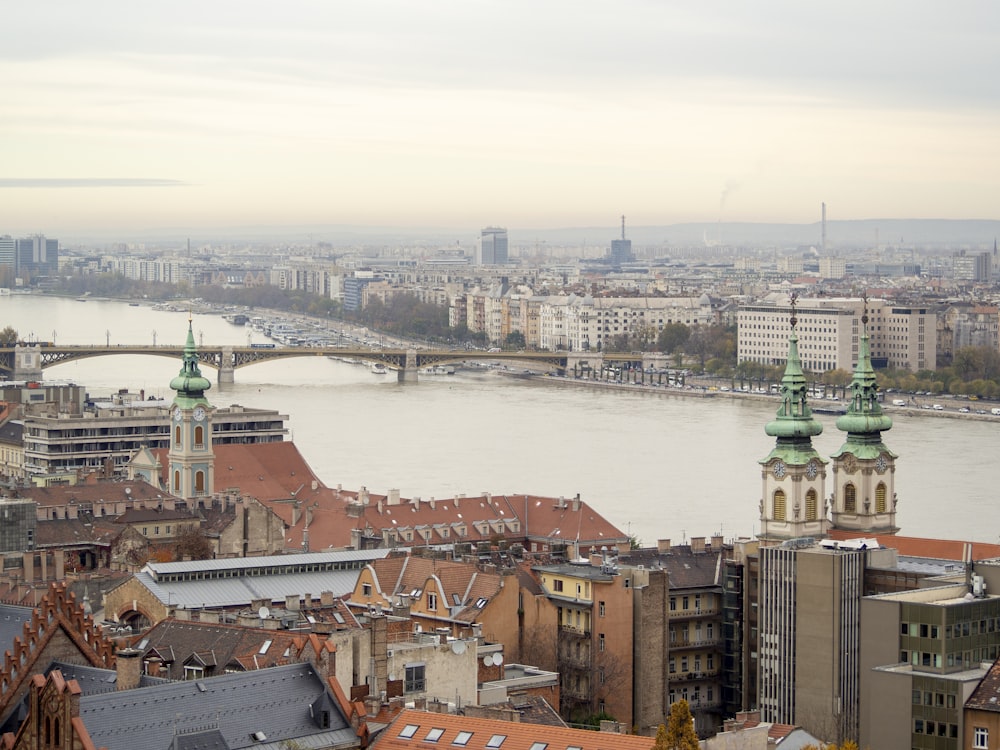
27	361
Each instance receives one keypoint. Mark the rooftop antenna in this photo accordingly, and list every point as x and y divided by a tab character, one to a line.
623	226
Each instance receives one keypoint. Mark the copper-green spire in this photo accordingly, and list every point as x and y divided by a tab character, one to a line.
190	384
794	425
864	421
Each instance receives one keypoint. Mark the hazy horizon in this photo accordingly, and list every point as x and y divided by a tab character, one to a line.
133	119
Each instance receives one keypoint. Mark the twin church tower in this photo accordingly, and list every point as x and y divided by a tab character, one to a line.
794	502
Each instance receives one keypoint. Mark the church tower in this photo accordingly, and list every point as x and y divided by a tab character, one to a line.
793	473
191	461
864	498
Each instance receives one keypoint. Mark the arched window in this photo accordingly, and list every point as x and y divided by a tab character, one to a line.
880	498
177	436
812	512
779	505
199	481
177	481
48	730
850	499
199	436
57	734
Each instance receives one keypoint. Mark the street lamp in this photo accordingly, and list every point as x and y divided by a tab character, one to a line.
107	335
154	337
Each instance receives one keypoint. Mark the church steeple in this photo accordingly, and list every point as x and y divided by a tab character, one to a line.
191	471
793	473
864	468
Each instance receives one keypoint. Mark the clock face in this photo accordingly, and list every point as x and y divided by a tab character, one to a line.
779	469
812	470
881	464
199	413
850	463
177	415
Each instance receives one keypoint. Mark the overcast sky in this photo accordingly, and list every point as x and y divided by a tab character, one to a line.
464	113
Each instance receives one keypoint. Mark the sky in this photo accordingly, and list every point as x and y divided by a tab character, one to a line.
125	116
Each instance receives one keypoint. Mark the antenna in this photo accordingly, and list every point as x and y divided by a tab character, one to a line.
623	226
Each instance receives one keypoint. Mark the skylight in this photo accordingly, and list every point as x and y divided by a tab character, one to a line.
496	740
462	738
409	730
539	746
434	735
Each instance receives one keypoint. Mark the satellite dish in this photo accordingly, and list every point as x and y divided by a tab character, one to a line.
497	659
488	660
263	613
458	647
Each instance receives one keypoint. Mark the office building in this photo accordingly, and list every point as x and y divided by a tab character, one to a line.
492	248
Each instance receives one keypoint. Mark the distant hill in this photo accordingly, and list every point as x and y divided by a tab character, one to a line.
850	234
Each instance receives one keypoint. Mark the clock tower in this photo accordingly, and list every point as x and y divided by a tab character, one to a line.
864	497
191	461
793	474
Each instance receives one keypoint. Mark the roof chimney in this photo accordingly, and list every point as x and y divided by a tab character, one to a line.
393	497
128	668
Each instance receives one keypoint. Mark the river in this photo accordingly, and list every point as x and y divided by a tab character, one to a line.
656	465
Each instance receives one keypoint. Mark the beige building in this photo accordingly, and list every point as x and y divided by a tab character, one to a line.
829	333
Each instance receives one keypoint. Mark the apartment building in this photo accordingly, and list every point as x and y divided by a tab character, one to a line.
66	443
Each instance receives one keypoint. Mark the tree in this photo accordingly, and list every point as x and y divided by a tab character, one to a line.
673	336
514	340
8	336
680	727
661	739
192	545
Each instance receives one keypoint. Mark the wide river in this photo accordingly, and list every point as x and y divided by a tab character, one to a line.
656	465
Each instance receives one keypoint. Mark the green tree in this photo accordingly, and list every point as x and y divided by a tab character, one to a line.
514	340
680	727
672	337
8	336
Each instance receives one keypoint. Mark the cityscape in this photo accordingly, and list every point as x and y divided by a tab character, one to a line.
500	376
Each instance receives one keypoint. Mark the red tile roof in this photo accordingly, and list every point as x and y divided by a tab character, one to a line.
936	549
518	735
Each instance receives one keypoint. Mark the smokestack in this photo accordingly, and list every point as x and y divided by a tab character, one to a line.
823	240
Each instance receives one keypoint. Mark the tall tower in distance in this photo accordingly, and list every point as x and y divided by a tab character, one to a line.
822	241
621	250
492	248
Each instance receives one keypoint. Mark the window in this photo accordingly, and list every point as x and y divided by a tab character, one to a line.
366	589
673	604
779	505
199	437
177	436
600	609
177	481
811	506
409	730
557	585
462	738
980	738
496	740
600	641
199	482
434	735
880	498
539	745
414	681
850	499
156	531
432	601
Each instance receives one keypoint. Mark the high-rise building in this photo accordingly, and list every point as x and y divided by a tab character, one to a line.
37	254
492	249
621	250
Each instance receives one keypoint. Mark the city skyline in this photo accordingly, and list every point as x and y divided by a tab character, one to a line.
514	114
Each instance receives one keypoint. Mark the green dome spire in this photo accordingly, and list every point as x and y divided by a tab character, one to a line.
794	425
864	421
190	384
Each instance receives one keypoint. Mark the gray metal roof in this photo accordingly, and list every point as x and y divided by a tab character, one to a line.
12	619
242	591
194	566
280	702
93	680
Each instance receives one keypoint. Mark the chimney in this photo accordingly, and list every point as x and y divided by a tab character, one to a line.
315	485
393	497
432	502
326	598
292	602
576	503
363	496
457	498
697	544
128	667
307	600
663	546
717	542
596	560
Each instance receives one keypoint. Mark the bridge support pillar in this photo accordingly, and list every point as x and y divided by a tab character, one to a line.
227	372
408	372
27	362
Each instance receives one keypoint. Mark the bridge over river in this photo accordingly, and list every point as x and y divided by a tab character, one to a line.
27	361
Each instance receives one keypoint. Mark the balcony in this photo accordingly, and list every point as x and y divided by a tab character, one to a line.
569	630
687	614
